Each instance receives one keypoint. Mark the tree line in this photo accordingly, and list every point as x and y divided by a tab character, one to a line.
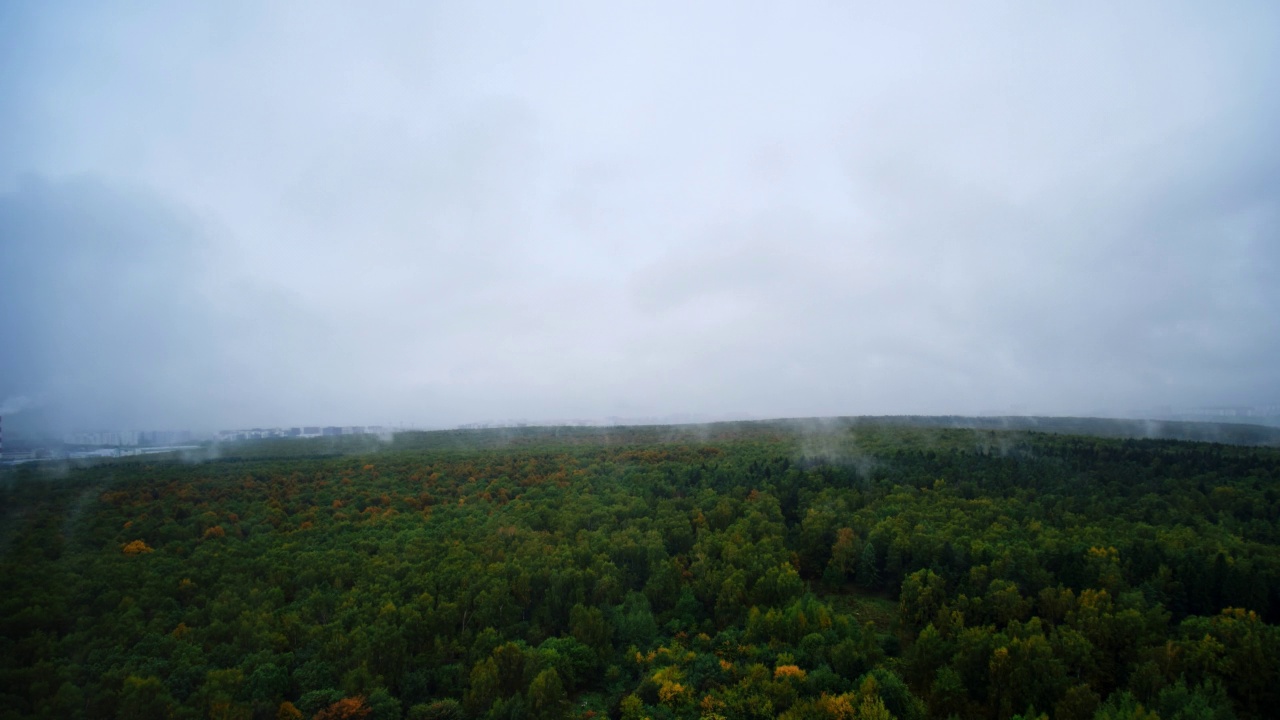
867	571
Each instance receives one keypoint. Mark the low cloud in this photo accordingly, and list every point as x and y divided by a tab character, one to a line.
300	214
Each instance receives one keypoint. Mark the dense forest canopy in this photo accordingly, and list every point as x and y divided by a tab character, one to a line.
838	570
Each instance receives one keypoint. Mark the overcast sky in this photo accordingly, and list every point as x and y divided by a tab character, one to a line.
233	214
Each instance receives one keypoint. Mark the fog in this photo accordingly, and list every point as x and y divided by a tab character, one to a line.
247	214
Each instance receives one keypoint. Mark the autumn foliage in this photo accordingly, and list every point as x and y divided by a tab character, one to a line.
351	708
137	547
788	671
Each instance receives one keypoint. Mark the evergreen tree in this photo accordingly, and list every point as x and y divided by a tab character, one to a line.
868	576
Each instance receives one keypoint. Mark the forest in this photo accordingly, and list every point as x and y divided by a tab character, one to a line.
745	570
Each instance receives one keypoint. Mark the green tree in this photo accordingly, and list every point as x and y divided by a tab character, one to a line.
383	705
145	698
447	709
868	574
588	626
547	698
923	594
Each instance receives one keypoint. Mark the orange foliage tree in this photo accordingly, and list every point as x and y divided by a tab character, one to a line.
352	708
137	547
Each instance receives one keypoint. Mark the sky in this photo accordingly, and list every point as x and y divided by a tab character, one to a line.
237	214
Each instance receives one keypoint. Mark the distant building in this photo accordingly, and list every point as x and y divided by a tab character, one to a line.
112	439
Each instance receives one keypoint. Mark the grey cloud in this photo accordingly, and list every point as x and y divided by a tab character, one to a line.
309	213
121	310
